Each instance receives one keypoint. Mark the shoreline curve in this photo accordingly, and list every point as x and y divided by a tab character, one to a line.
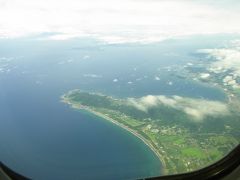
133	132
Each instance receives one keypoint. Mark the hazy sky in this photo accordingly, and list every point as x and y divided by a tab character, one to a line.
117	21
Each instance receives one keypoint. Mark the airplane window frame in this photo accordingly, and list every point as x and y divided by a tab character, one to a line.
218	170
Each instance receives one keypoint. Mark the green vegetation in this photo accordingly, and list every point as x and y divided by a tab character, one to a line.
186	133
193	152
182	143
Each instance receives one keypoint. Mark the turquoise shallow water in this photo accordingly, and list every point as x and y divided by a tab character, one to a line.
45	139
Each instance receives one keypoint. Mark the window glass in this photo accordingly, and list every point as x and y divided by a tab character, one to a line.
118	89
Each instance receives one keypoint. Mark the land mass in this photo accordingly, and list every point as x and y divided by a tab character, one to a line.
65	99
184	137
185	133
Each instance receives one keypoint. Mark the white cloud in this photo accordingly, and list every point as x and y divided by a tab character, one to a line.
198	109
116	21
137	105
115	80
226	58
170	83
149	100
6	59
86	57
235	43
157	78
65	61
204	75
92	75
61	37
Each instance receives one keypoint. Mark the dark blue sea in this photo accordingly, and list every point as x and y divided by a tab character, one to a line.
43	138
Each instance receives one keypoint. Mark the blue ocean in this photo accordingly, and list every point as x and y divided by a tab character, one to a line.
43	138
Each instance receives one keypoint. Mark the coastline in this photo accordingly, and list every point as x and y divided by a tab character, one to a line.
135	133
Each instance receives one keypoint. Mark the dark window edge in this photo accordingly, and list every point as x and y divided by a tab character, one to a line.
218	170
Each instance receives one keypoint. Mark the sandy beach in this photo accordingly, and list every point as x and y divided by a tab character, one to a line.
135	133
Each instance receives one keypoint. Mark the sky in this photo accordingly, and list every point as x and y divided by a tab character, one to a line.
115	21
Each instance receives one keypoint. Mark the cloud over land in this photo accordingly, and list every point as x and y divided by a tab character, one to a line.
198	109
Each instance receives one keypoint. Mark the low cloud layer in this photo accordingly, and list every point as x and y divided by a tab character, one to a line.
117	21
198	109
226	58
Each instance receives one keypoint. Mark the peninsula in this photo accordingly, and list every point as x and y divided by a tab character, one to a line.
184	137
